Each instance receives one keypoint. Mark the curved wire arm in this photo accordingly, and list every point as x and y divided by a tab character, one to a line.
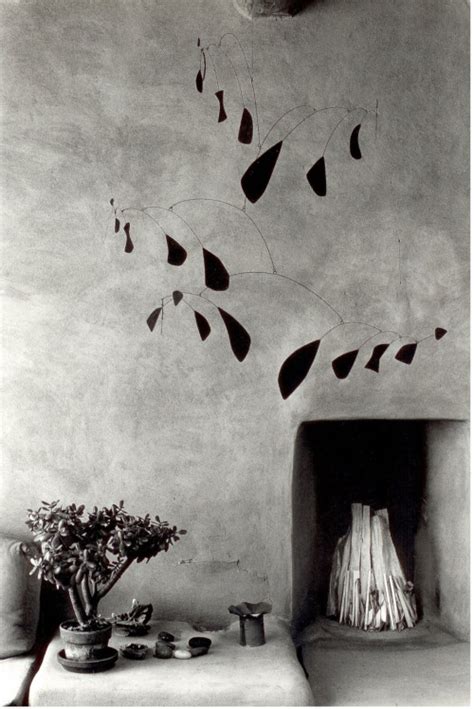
239	209
379	331
274	272
314	111
219	49
292	280
144	211
249	72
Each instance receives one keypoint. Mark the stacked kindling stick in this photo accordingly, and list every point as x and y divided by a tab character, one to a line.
367	587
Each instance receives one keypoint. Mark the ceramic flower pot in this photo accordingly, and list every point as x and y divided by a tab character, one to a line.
86	650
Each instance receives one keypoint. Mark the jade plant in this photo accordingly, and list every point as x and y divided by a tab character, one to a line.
86	553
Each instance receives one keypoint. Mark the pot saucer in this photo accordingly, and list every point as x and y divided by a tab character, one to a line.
105	660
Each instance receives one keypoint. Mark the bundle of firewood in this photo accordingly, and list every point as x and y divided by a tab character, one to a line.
367	587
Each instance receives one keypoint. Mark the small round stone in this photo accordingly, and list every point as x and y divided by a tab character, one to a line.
163	651
166	637
182	654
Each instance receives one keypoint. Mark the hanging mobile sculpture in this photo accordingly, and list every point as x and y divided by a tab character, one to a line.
254	183
257	176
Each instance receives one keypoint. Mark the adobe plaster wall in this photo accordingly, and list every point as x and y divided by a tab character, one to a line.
443	555
99	101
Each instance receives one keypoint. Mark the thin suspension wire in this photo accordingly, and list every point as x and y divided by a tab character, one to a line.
382	332
165	209
213	67
379	332
251	49
343	323
313	112
239	209
295	108
266	273
163	306
428	337
220	49
337	126
199	295
142	211
236	39
288	278
189	305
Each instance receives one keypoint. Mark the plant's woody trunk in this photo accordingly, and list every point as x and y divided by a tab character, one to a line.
90	603
77	605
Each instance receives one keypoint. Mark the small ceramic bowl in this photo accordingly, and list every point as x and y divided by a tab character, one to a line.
134	651
199	646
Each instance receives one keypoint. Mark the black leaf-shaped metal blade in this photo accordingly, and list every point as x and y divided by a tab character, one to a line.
176	253
406	353
202	325
343	364
238	336
177	296
129	243
246	127
377	352
216	276
258	174
199	81
354	143
295	368
117	225
440	332
152	319
222	113
316	177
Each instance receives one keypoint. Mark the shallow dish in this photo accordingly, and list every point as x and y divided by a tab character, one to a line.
134	651
105	659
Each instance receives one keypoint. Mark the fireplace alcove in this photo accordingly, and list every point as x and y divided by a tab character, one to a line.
418	469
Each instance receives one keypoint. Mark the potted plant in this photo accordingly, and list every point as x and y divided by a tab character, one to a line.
85	554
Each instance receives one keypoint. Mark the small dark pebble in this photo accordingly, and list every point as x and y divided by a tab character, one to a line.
166	637
199	642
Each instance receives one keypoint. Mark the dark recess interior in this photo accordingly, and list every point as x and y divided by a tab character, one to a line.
377	463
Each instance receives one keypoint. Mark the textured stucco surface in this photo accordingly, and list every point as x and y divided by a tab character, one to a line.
99	101
443	537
